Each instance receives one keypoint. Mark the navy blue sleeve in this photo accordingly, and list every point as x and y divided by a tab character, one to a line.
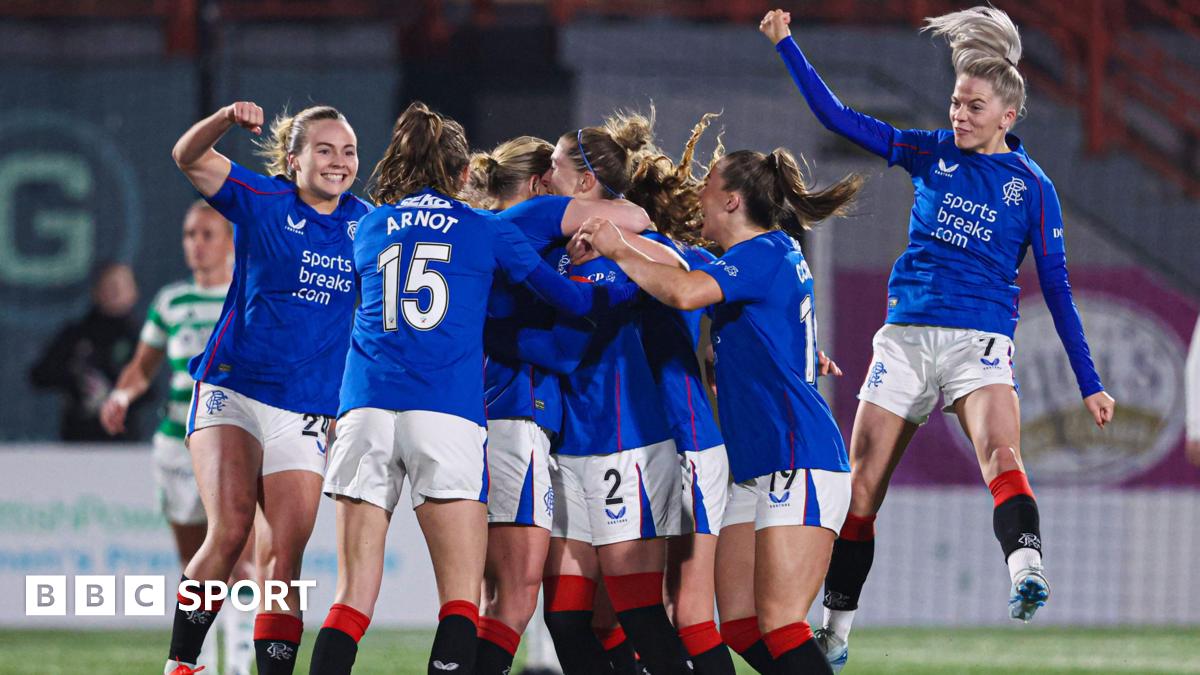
558	349
871	134
539	219
577	299
1050	257
243	193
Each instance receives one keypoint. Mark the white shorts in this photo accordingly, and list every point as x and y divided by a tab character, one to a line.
705	490
911	364
290	441
443	456
800	497
605	499
178	493
519	490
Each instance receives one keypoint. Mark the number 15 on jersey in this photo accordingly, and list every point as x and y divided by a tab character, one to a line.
419	277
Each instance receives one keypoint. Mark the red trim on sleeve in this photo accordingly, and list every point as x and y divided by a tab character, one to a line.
912	147
257	192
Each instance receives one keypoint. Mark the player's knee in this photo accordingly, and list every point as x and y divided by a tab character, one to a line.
1002	458
229	538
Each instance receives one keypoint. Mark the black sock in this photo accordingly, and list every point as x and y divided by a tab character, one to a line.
623	659
1016	524
189	629
807	659
275	657
848	569
759	657
276	642
715	661
578	648
454	643
492	659
655	639
333	653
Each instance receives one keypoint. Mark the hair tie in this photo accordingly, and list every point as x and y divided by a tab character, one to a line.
1009	62
583	153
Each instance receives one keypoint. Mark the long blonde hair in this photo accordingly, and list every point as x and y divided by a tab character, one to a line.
288	135
984	43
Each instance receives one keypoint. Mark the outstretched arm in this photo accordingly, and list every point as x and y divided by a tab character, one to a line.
670	285
1046	234
871	134
624	214
194	154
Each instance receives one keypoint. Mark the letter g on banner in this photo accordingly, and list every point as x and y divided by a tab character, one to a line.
68	198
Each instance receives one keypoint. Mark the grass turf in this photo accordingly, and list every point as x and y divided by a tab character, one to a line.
890	650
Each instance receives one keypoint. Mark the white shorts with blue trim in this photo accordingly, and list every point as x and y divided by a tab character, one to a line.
628	495
442	456
911	365
811	497
705	490
519	474
290	441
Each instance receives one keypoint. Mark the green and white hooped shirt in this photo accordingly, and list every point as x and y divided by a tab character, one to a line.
180	320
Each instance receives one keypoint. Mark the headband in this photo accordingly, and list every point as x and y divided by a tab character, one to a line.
579	142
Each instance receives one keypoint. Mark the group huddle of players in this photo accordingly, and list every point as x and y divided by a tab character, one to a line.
515	333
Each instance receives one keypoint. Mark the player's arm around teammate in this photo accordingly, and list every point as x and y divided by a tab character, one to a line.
252	422
932	320
785	449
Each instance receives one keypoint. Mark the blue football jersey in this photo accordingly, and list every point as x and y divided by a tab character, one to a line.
671	337
514	389
282	335
426	267
974	216
539	219
610	401
765	337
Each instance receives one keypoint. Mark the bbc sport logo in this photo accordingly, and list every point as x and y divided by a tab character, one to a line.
146	595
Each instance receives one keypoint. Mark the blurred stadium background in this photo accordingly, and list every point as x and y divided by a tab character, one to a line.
95	92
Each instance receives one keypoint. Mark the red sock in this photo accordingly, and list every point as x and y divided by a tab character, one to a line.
499	634
1008	485
741	634
700	637
631	591
348	620
783	640
569	593
858	528
280	627
610	638
462	608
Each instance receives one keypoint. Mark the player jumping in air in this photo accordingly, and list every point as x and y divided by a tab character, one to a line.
980	203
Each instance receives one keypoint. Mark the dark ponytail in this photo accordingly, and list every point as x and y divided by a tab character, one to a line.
776	194
426	150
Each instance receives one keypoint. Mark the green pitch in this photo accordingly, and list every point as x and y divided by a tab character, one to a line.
892	650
